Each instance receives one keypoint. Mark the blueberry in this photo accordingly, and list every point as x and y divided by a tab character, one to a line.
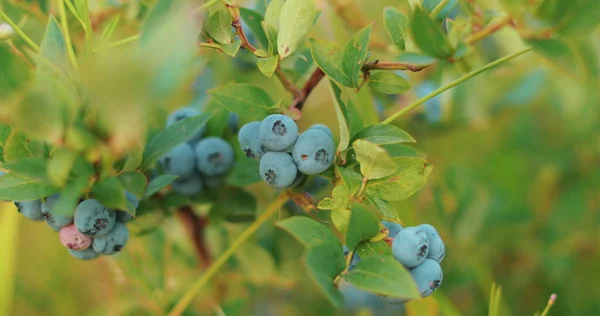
278	132
300	177
410	246
277	169
233	122
55	220
322	128
87	254
94	219
191	186
313	152
214	156
182	113
357	299
179	161
71	238
437	249
428	276
355	260
393	227
249	141
112	243
433	106
30	209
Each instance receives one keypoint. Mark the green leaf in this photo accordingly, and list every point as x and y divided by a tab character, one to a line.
109	29
70	195
388	83
388	212
428	36
256	263
410	177
324	262
383	134
367	250
363	226
396	25
271	33
268	65
351	179
18	146
254	21
383	275
233	48
14	74
340	219
307	231
17	188
158	183
342	116
355	54
60	166
375	163
134	182
33	168
328	56
235	205
170	137
53	46
272	13
295	20
244	172
558	52
249	102
218	26
340	198
430	5
110	193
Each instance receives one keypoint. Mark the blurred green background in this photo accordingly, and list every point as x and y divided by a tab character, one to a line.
515	194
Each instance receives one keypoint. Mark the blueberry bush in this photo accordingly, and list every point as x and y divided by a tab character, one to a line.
252	147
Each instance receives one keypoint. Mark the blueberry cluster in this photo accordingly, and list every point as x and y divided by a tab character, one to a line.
199	162
286	156
88	232
421	250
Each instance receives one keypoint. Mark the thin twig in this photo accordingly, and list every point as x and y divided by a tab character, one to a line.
287	84
312	82
196	226
19	31
20	54
488	30
382	65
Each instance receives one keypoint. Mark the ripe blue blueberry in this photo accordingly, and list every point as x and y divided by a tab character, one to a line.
191	186
214	156
410	246
57	219
183	113
313	152
179	161
249	141
428	276
277	169
30	209
112	243
393	228
433	106
94	219
437	249
322	128
278	132
87	254
233	122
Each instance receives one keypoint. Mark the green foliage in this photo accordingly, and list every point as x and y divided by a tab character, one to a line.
383	275
362	227
246	100
295	20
